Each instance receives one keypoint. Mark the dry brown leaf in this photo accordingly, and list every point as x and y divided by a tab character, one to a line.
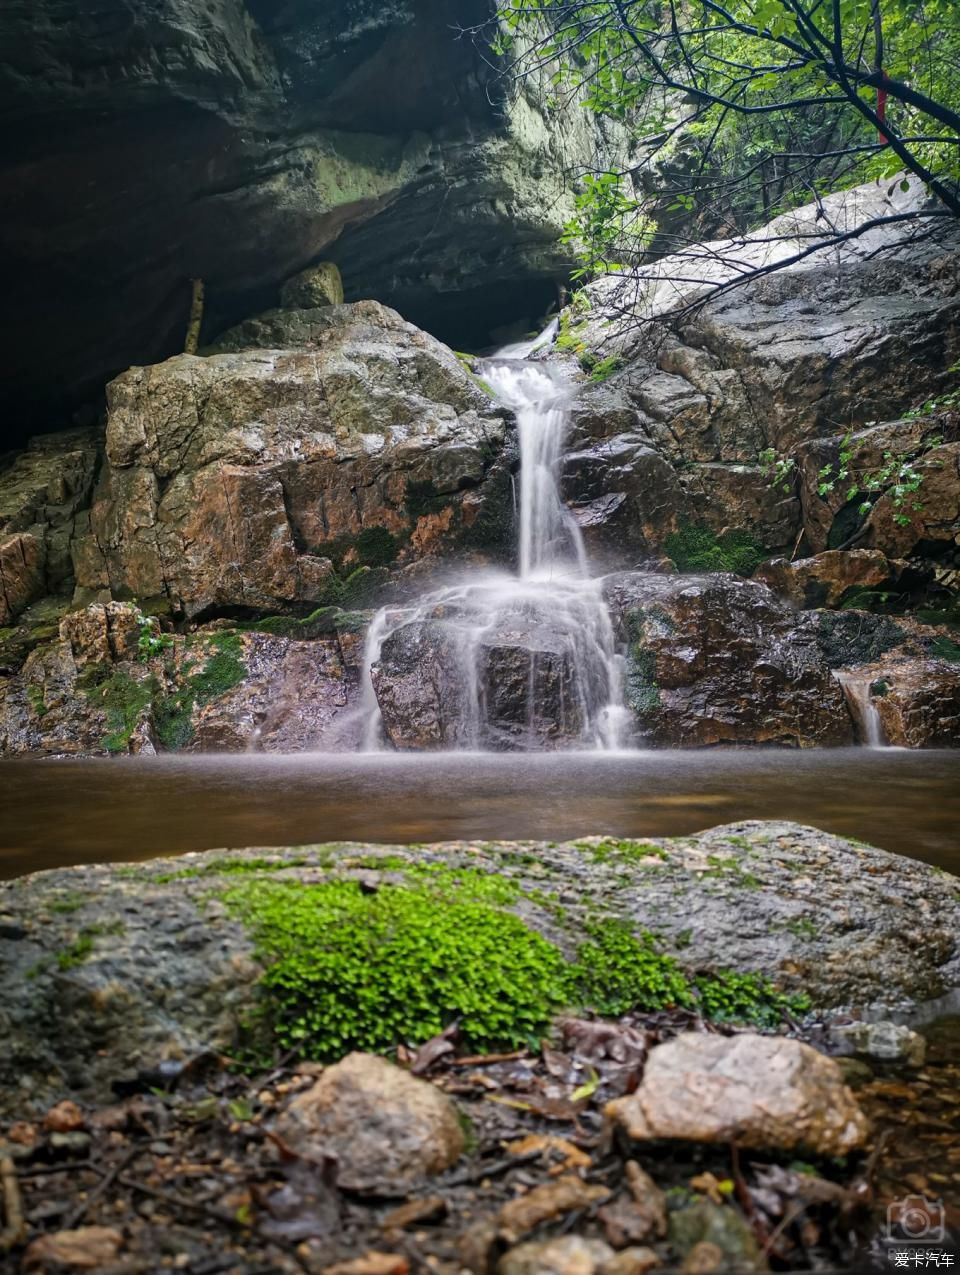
415	1212
372	1264
548	1145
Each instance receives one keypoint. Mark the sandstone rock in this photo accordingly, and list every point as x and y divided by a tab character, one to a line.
231	480
717	660
312	288
757	1091
824	580
567	1255
885	1042
42	491
377	1121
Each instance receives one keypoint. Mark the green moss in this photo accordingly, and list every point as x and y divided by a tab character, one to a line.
81	948
376	547
944	649
233	867
694	548
223	670
173	719
36	700
422	498
726	997
123	700
318	623
626	851
730	870
617	972
643	693
355	970
70	901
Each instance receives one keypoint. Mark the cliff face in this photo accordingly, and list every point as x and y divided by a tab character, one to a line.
151	142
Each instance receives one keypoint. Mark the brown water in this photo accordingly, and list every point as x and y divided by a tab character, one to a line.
56	813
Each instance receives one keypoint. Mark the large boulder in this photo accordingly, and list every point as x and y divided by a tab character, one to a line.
126	969
240	142
244	478
851	334
717	660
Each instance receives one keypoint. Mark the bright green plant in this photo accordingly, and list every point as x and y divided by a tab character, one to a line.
694	548
151	641
355	970
616	971
726	997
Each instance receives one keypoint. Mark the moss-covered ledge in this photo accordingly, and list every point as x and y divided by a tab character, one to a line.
105	970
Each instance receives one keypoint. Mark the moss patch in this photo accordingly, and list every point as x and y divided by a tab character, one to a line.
376	547
616	972
366	971
695	548
643	693
124	700
81	948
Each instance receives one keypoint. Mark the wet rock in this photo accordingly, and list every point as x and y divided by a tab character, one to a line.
378	1122
717	660
233	480
883	1041
42	491
856	335
90	692
909	697
313	288
824	580
714	1237
567	1255
165	972
757	1091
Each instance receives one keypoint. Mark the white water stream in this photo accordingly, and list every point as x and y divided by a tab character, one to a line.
551	609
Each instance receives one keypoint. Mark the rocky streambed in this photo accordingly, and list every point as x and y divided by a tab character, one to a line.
159	1108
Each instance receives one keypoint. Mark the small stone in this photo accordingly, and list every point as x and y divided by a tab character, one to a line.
631	1261
317	286
703	1259
75	1142
550	1200
568	1255
371	1264
886	1042
22	1133
63	1118
88	1248
377	1121
703	1229
758	1091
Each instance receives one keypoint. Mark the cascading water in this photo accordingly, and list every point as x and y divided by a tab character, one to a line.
498	661
857	691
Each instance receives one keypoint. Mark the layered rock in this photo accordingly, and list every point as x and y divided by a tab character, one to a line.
717	660
248	478
42	489
851	334
240	144
112	683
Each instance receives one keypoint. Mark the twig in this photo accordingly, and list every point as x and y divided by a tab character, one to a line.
175	1201
493	1170
15	1231
109	1177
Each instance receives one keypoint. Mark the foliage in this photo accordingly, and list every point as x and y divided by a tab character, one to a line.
750	107
151	641
356	970
726	997
123	700
617	972
696	548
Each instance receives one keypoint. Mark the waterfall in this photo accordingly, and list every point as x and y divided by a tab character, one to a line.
497	660
865	714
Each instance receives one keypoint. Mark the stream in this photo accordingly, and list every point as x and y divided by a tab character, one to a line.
62	812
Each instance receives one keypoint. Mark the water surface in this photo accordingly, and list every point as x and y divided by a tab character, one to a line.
60	812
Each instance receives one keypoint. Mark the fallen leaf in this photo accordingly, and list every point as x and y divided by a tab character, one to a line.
548	1145
416	1212
87	1249
435	1049
715	1189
